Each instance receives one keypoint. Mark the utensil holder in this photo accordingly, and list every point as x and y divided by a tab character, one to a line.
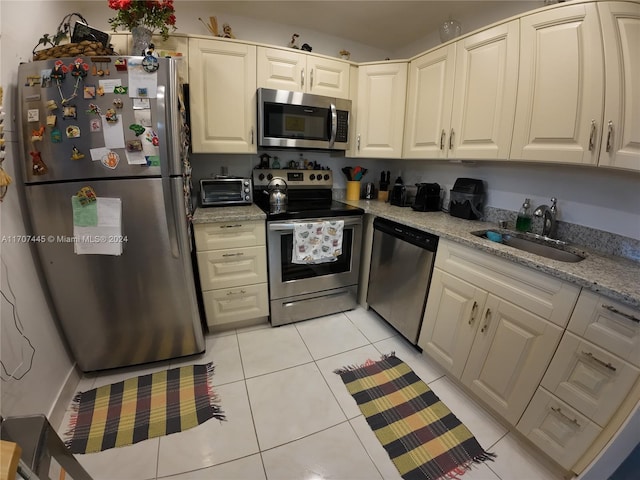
383	196
353	190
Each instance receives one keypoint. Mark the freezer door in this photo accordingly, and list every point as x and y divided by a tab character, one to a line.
121	310
69	126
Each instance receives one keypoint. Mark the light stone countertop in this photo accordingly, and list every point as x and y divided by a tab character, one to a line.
614	277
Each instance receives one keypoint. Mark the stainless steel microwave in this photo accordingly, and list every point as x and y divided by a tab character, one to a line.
302	120
223	191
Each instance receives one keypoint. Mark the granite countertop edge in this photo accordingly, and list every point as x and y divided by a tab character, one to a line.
615	277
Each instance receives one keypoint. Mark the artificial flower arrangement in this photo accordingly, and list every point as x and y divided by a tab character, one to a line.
155	15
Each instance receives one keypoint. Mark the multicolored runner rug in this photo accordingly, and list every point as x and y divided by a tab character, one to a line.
421	435
142	407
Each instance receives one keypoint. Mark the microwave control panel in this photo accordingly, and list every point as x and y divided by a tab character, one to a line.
342	130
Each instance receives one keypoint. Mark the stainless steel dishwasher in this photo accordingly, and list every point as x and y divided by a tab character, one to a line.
401	264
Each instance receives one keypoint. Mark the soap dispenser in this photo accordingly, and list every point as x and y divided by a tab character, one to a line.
523	221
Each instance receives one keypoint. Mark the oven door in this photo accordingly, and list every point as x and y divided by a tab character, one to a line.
287	279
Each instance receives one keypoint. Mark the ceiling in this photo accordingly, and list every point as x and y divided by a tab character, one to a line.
384	24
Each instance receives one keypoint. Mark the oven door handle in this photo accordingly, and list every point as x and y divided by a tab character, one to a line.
274	227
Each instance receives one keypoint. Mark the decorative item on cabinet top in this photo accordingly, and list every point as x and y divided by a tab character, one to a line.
450	29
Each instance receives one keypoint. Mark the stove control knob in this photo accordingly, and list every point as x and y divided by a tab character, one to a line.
312	177
326	176
320	177
269	176
261	176
246	190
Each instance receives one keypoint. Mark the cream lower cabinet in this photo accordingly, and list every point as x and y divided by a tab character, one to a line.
232	264
222	77
589	378
494	325
461	98
300	72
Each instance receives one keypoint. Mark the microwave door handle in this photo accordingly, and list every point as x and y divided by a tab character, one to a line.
334	125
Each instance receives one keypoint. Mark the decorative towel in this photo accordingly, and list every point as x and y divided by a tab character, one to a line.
317	242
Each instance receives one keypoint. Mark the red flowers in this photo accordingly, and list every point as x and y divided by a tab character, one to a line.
151	14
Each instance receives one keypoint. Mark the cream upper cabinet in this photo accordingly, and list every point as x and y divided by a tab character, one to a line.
461	98
379	109
429	99
222	77
620	145
299	72
561	86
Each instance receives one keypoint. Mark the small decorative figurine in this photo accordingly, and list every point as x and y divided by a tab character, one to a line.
38	166
306	47
76	154
111	116
36	135
137	129
345	54
226	31
86	195
294	41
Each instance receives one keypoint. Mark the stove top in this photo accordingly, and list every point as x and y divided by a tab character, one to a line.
309	195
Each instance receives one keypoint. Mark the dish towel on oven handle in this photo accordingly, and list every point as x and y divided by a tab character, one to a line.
317	242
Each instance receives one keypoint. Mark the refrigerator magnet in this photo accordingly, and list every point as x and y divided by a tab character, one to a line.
56	136
111	116
89	92
120	90
93	108
51	120
76	154
33	115
95	125
110	160
117	102
69	111
51	105
37	134
137	129
38	167
73	131
121	64
134	146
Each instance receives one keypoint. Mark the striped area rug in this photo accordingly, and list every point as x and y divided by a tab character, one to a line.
143	407
421	435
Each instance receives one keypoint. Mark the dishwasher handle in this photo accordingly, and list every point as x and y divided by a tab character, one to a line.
411	235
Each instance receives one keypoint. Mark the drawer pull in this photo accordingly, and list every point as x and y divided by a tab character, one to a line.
487	317
233	254
597	360
231	226
474	310
613	309
241	292
568	419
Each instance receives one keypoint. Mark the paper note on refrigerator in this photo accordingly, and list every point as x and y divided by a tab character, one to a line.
113	132
106	237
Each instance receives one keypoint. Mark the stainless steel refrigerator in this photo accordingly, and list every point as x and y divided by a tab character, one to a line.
117	125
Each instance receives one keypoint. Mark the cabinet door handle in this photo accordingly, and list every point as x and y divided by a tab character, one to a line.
231	226
443	135
358	142
311	79
251	135
451	140
302	78
474	310
613	309
239	292
598	361
487	317
609	135
592	136
558	410
233	254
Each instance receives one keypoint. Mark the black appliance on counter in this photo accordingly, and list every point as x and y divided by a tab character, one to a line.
467	199
402	195
427	198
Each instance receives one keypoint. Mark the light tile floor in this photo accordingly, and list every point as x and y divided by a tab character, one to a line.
290	417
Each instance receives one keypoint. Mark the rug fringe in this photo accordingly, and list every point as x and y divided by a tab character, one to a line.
457	472
216	410
73	421
351	368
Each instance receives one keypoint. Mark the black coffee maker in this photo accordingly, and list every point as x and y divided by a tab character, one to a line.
427	197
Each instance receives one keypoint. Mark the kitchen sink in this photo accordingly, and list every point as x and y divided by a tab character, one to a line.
538	245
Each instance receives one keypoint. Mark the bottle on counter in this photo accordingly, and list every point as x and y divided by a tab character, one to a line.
523	220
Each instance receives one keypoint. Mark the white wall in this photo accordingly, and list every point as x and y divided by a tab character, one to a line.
25	312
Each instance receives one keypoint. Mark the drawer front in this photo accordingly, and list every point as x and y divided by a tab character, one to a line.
539	293
589	378
556	428
610	325
232	268
215	236
229	305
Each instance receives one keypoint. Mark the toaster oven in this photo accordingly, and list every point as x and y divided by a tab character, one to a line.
224	191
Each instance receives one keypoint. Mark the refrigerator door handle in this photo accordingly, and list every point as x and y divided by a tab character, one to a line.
171	212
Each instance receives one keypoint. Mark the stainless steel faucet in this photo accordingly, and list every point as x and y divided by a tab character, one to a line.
549	216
